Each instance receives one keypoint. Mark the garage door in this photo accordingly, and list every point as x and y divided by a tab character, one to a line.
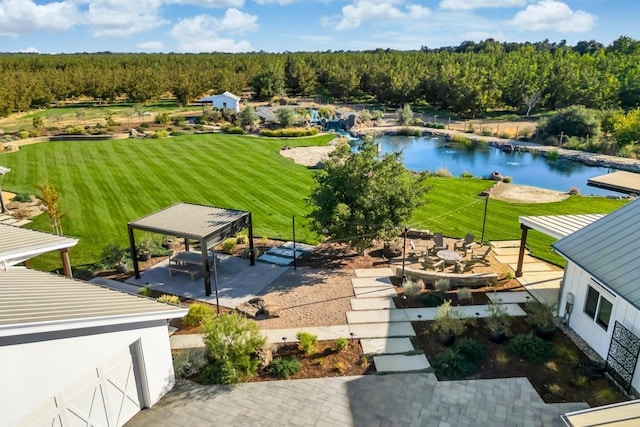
109	396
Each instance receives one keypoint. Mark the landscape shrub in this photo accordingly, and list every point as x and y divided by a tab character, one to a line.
144	125
169	299
409	132
452	364
340	344
178	120
465	174
412	288
229	245
471	349
34	133
74	130
162	118
432	300
507	179
160	133
284	367
575	120
22	197
531	348
198	314
552	154
232	343
242	239
464	294
189	362
179	133
289	132
145	291
308	342
233	130
442	173
434	125
442	285
461	139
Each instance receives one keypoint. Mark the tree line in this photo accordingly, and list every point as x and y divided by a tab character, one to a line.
467	80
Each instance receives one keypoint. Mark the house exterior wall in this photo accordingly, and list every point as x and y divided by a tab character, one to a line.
36	370
576	281
220	100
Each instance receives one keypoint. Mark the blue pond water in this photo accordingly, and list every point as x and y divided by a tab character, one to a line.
524	168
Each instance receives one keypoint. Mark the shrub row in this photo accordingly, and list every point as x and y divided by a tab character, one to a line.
289	132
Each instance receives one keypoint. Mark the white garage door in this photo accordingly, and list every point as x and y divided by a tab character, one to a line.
108	396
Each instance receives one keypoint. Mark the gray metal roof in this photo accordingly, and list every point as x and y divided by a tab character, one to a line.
558	226
609	250
34	299
193	221
19	244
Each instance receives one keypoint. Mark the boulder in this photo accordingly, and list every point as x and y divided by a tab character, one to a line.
271	310
496	176
266	357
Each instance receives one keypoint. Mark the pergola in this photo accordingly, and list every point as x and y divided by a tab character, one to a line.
557	226
20	244
207	225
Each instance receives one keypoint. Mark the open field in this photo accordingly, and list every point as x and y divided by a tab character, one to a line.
105	184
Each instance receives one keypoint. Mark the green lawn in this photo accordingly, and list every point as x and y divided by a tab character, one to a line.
105	184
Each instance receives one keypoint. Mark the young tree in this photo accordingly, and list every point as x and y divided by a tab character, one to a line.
360	197
531	101
286	117
50	200
405	115
248	117
38	122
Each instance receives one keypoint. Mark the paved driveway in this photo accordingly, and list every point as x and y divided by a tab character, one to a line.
372	400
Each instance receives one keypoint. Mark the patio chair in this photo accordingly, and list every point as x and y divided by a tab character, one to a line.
430	264
414	252
464	245
463	266
438	240
482	257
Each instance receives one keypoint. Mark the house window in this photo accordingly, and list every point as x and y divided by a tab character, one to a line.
598	308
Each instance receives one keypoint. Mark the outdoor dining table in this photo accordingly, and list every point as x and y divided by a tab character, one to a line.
183	258
449	256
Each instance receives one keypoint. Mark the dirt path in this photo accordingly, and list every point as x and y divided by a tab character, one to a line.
525	194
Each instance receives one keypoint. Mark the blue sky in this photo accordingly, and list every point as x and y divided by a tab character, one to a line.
54	26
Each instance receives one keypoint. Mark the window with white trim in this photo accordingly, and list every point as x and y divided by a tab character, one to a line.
598	307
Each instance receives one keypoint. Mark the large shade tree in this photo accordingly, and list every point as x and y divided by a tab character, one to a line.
360	197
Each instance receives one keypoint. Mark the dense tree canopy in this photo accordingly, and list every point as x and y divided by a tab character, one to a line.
467	79
360	197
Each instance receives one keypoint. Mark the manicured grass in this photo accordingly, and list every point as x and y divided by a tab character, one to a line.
105	184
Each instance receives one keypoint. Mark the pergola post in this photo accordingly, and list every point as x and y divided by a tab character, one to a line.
523	243
205	268
252	253
132	248
66	265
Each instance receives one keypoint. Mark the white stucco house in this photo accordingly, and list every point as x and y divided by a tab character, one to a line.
600	292
223	100
72	352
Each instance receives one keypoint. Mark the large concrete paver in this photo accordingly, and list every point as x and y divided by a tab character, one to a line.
373	272
380	303
509	297
374	292
382	330
371	282
401	363
376	316
386	345
416	399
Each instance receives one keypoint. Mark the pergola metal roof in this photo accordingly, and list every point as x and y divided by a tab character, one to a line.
619	415
20	244
557	226
34	301
209	225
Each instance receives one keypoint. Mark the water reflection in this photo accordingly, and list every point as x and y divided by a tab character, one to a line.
524	168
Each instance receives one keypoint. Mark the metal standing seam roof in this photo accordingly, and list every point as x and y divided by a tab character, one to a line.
189	220
32	299
558	226
19	244
609	250
618	414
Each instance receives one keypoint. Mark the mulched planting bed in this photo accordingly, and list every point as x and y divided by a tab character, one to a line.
418	301
555	381
324	362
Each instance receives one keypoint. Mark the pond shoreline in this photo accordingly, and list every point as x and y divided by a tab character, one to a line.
590	159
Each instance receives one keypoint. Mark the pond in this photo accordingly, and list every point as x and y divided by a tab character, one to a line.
426	153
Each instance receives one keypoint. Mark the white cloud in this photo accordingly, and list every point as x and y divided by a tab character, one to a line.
25	16
210	3
355	14
29	49
479	4
150	45
555	16
281	2
123	18
200	33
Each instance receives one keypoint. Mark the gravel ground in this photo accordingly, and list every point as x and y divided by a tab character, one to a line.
308	156
309	297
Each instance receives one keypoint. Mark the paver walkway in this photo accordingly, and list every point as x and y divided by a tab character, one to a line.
373	400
